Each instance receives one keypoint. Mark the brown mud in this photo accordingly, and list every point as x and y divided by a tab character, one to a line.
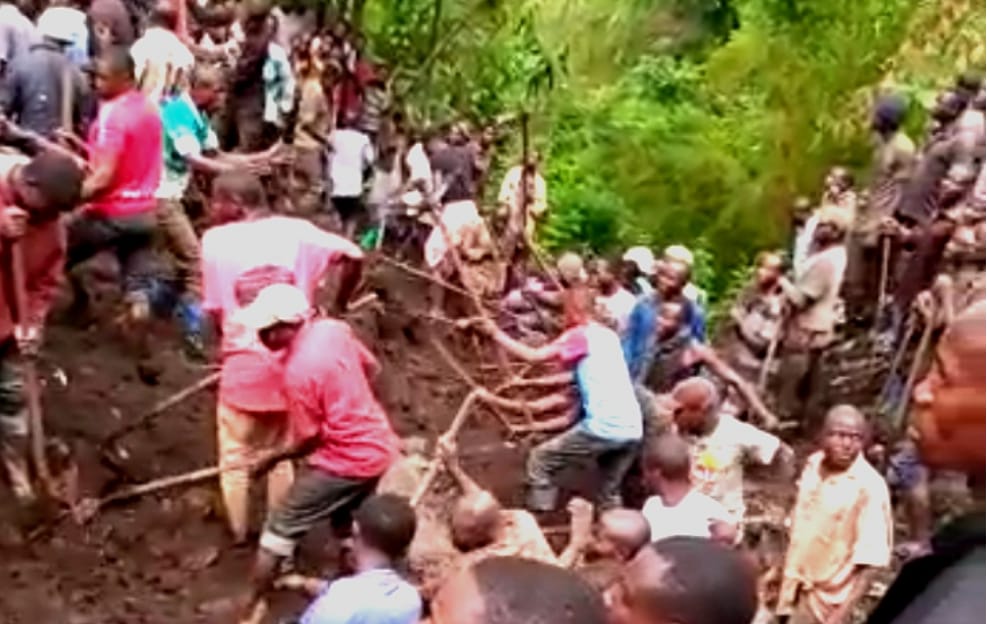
167	558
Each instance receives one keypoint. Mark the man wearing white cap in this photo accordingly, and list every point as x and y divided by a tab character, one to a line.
33	90
336	422
240	259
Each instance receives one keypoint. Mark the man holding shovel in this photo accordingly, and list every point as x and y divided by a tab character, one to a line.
32	253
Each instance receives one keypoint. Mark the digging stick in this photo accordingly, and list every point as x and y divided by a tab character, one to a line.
68	99
31	388
473	385
161	406
923	346
899	355
882	281
436	463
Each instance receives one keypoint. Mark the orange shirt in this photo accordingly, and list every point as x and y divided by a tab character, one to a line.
840	521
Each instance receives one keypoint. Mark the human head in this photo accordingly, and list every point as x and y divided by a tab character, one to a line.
384	524
839	179
842	436
164	15
671	316
605	276
50	183
206	87
620	533
768	268
56	25
255	15
641	260
969	83
277	314
948	106
696	403
512	590
684	580
948	404
832	227
570	268
235	194
578	306
679	253
671	278
475	520
114	72
666	461
889	114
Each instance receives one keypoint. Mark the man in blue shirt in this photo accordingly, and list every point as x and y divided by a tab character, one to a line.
639	340
383	528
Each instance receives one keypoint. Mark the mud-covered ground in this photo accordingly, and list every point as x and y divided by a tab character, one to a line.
166	558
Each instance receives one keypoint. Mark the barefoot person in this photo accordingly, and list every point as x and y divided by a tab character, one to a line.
337	424
239	259
33	193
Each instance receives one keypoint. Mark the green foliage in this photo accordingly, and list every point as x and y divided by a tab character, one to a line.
676	121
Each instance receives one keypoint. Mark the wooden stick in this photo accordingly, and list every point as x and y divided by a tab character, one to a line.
923	346
422	274
436	463
452	363
762	378
162	405
883	282
68	99
899	355
31	388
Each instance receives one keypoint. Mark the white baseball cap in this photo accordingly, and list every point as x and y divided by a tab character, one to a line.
643	258
59	23
679	253
277	303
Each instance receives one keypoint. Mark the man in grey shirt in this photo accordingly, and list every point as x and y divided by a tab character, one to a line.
17	33
33	85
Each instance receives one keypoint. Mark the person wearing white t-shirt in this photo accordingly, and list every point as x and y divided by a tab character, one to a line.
678	509
615	301
351	156
162	63
721	445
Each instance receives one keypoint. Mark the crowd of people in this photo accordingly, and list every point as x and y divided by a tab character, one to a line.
239	159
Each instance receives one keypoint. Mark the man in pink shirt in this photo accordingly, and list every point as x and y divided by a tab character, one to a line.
126	160
239	259
336	423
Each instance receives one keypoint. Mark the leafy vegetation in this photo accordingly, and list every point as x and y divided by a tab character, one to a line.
660	121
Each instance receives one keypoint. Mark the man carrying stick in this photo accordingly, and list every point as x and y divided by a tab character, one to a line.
611	427
32	194
239	259
337	425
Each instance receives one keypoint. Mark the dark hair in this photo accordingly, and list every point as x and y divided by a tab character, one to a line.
164	15
387	523
118	61
242	187
968	83
889	113
522	591
57	177
704	582
669	454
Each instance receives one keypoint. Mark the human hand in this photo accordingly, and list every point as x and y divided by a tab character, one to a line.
580	520
888	226
925	304
943	286
13	221
447	448
28	339
262	466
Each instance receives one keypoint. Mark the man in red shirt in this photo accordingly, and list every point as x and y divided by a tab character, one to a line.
336	423
239	259
127	157
32	194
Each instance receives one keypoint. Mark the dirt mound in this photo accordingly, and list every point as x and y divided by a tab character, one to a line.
167	558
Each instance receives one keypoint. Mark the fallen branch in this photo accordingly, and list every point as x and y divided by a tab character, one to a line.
436	463
161	406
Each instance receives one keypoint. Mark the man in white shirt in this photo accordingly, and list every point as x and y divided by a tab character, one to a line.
814	298
162	63
351	156
678	509
615	301
721	445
